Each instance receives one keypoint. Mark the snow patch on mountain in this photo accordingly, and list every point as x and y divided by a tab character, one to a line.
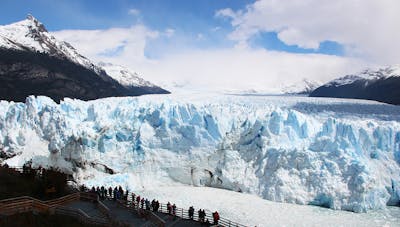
341	154
124	75
367	75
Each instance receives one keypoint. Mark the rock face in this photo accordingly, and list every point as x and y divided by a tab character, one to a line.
32	62
381	85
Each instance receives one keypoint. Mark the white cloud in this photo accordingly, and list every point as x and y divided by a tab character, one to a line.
169	32
216	29
245	69
230	69
366	28
123	46
134	12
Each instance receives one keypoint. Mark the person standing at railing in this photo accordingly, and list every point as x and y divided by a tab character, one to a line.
121	192
157	206
147	202
169	208
199	215
126	195
102	193
142	203
153	205
110	191
191	212
174	209
202	215
138	201
216	217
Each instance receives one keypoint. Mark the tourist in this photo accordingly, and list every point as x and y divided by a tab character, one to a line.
126	195
199	215
138	201
215	217
110	191
153	205
147	202
121	192
174	209
191	212
157	205
203	215
142	203
102	193
169	208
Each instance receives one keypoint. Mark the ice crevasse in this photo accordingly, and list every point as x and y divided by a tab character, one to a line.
328	152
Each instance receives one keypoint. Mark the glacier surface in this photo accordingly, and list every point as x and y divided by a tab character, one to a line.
341	154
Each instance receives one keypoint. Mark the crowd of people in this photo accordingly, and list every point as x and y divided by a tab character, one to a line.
141	203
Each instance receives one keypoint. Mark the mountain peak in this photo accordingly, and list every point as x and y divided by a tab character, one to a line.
36	25
30	17
31	35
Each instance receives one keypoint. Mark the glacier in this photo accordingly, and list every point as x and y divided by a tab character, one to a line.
335	153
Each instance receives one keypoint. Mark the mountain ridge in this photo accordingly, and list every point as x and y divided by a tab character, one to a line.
380	85
33	62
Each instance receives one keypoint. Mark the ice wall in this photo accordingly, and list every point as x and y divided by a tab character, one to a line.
333	153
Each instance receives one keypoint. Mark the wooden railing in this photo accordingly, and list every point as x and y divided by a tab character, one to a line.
27	204
152	217
184	214
179	212
80	215
63	200
23	204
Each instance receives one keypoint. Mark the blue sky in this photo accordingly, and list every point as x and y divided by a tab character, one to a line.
193	20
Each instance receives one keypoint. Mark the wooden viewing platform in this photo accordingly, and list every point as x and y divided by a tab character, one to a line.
89	209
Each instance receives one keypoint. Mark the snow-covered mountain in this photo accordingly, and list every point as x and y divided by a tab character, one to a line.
32	61
303	87
341	154
380	85
367	75
129	79
31	35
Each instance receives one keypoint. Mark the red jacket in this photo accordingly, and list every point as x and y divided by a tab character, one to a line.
216	215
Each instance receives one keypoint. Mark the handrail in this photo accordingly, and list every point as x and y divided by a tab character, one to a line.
79	214
26	204
181	213
151	216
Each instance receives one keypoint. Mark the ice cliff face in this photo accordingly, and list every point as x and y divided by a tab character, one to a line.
342	154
